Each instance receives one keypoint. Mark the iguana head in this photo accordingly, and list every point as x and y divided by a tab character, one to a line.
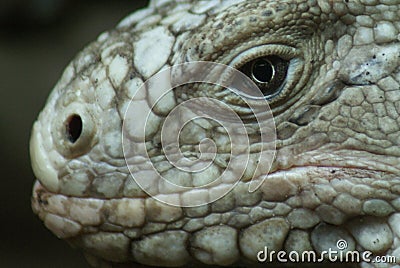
303	94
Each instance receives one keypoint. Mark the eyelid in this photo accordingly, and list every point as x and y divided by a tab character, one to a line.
283	51
294	64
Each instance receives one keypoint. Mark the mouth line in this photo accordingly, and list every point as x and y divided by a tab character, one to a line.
333	170
313	172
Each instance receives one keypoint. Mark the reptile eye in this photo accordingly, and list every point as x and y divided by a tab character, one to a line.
268	73
73	127
276	69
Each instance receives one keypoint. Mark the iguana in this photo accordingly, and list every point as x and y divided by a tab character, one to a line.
329	73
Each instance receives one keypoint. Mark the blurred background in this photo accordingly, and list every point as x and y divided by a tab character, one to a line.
37	40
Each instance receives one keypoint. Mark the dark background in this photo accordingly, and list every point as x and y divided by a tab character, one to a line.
37	40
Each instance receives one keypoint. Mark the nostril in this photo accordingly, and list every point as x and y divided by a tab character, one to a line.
73	127
73	130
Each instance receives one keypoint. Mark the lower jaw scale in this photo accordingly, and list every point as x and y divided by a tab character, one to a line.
314	219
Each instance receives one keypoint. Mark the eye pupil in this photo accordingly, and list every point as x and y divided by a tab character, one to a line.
262	71
74	128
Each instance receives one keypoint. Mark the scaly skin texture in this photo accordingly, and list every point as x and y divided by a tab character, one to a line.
336	171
